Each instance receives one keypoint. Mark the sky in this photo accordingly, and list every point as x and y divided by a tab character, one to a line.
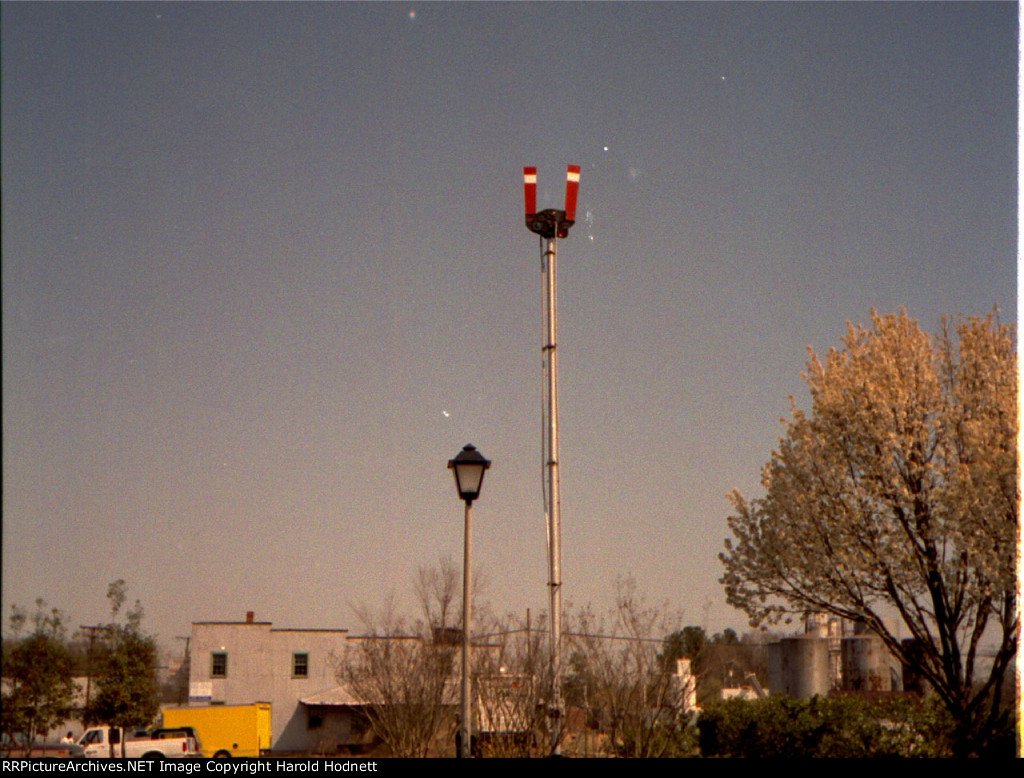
265	272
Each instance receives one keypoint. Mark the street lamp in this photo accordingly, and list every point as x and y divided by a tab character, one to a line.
468	467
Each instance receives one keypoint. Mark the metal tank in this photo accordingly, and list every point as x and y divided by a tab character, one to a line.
867	665
799	667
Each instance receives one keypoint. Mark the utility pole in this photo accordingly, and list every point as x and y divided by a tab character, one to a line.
550	225
184	669
92	630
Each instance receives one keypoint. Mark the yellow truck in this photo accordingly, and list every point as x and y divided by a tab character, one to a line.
225	731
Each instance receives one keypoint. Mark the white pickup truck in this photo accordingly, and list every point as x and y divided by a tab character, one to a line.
112	742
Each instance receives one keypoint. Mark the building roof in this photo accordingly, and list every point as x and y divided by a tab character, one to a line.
238	623
266	624
337	695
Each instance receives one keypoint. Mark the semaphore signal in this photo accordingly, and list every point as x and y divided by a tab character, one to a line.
551	224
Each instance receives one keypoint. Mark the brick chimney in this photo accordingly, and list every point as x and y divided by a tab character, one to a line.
250	617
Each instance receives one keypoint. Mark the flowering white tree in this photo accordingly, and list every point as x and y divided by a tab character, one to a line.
898	495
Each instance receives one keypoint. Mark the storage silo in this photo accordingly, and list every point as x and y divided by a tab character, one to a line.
867	665
799	667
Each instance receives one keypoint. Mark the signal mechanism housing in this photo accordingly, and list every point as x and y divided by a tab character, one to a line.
551	223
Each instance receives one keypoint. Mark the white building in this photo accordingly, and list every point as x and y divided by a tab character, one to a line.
241	662
684	686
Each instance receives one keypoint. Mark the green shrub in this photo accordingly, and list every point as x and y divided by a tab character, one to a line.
832	727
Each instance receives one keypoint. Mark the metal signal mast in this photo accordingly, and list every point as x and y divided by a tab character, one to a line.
551	225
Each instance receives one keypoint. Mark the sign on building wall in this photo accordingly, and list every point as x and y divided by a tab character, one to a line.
200	691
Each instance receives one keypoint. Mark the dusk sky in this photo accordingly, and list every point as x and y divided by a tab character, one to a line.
265	272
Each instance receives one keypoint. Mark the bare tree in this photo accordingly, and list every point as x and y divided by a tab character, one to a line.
630	695
512	672
402	680
405	671
438	590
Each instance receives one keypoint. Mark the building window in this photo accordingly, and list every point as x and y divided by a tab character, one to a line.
300	665
219	664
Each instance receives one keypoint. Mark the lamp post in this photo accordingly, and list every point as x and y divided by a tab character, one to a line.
468	467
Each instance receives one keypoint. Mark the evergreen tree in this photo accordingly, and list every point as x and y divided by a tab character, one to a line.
39	690
126	689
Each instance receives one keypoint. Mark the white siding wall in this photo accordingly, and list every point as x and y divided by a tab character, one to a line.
259	669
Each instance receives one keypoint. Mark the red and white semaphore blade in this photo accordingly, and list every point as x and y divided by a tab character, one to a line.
572	186
530	189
